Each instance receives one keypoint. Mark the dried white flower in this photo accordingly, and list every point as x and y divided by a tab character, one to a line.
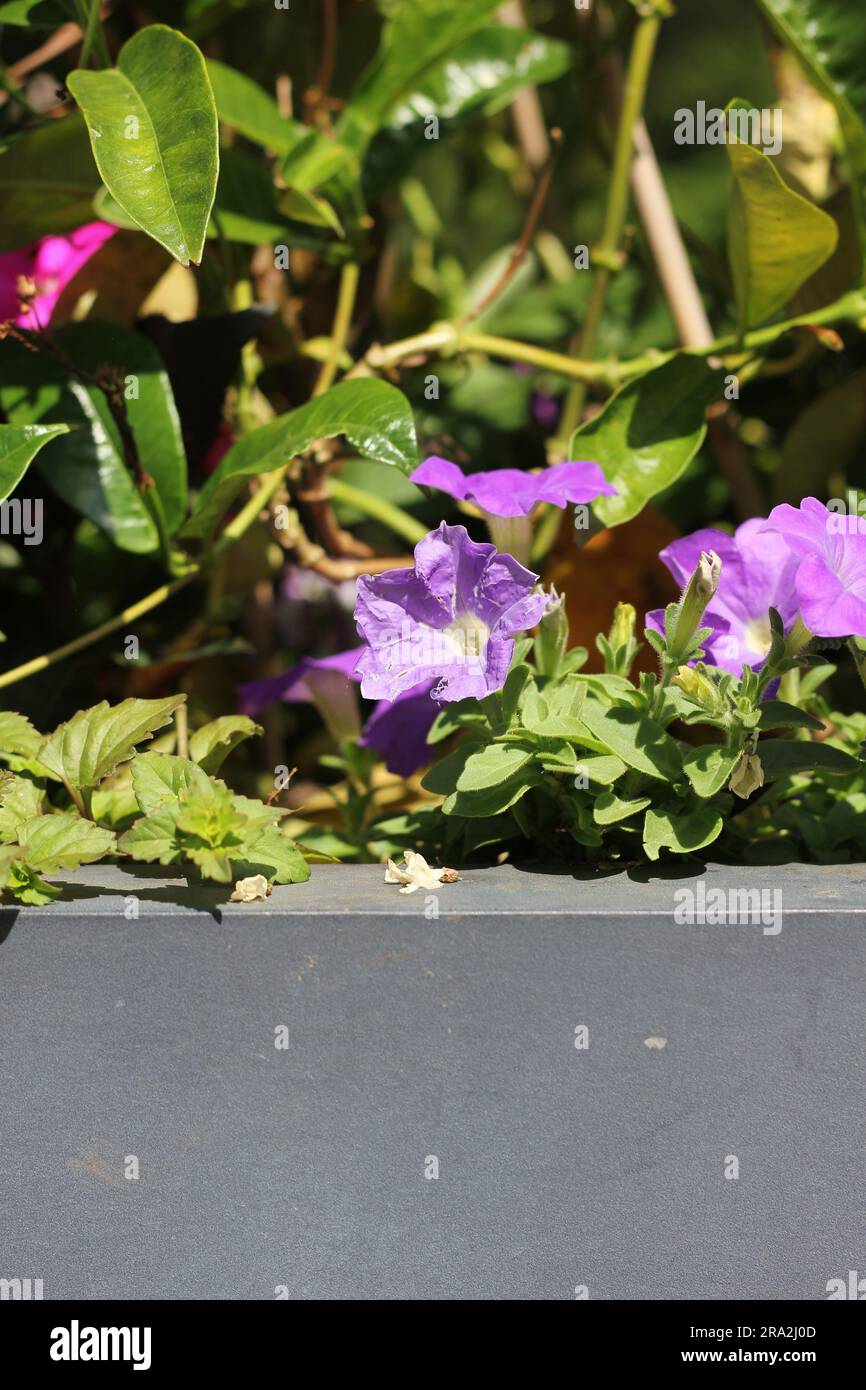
248	890
416	873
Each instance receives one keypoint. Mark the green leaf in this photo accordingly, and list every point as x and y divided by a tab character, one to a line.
20	800
308	207
709	767
273	854
212	829
472	769
605	769
158	778
483	74
87	469
62	841
374	416
610	810
557	713
418	36
648	433
17	735
94	741
211	745
638	741
778	714
780	757
247	107
27	887
19	445
47	182
47	14
683	832
155	838
776	237
829	38
153	127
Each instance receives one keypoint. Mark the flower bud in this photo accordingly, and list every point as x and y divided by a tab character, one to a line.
696	595
698	687
747	776
335	698
552	639
623	625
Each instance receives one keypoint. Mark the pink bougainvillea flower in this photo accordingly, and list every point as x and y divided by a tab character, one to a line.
50	264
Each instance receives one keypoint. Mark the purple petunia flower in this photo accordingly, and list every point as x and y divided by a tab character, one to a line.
509	492
506	496
321	681
452	619
829	558
397	729
757	574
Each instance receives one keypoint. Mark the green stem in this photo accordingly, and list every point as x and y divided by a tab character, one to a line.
342	323
608	249
390	515
79	644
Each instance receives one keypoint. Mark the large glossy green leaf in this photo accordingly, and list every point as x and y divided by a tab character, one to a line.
247	107
776	237
417	37
47	182
829	37
648	433
482	75
87	469
153	128
19	445
374	416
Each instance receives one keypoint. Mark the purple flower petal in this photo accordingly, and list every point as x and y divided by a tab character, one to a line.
293	686
451	620
757	574
829	557
510	492
398	730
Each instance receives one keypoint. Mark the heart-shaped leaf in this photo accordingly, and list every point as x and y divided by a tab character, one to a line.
153	128
648	433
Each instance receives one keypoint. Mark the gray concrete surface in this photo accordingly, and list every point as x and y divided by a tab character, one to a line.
412	1037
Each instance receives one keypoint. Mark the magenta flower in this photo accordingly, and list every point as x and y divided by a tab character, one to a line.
450	620
397	729
509	492
829	560
757	575
50	264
